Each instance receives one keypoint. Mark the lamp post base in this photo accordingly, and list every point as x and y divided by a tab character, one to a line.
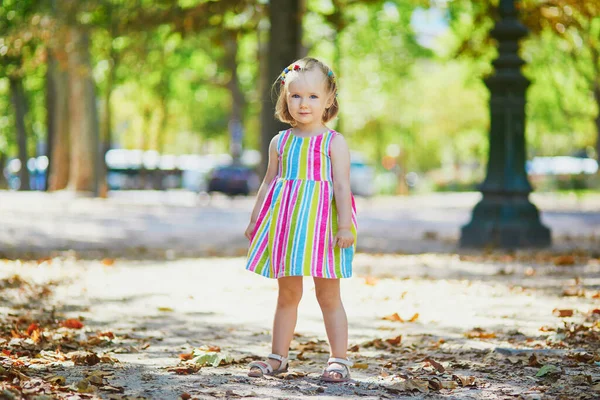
505	221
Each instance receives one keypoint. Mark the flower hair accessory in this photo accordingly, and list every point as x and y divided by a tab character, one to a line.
292	67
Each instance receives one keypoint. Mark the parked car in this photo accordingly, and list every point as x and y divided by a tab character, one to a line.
362	179
233	179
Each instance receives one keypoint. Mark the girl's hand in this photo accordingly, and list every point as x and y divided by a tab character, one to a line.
250	230
344	238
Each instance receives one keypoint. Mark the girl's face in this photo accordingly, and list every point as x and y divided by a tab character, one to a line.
307	99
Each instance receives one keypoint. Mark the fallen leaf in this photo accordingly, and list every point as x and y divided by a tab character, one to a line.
533	361
109	262
56	379
83	358
185	369
414	317
371	281
72	323
84	386
354	349
394	341
478	333
185	356
186	396
113	389
564	260
547	369
464	380
394	317
33	327
293	375
562	313
449	385
165	309
417	384
213	358
439	367
210	348
360	365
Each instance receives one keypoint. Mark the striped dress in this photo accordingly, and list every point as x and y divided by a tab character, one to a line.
298	219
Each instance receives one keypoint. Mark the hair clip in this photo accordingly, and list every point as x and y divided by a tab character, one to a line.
296	67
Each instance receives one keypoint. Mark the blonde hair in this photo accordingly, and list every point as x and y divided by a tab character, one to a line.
282	112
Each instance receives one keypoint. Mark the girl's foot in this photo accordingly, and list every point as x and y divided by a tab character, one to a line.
338	370
274	365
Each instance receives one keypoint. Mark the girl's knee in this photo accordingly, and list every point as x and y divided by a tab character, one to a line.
328	299
289	297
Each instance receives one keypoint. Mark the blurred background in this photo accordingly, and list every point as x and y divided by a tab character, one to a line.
108	95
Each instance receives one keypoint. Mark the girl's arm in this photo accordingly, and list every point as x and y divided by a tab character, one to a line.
340	162
272	168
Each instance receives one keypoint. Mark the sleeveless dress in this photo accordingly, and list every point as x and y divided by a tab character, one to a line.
298	219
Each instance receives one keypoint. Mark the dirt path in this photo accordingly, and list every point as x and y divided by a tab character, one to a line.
482	327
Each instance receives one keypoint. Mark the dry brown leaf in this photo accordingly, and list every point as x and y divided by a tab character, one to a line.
439	367
449	385
417	384
293	375
414	317
83	358
112	389
185	356
533	361
393	317
56	379
185	369
108	262
72	323
478	333
360	365
394	341
464	380
354	349
84	386
564	260
186	396
371	281
562	313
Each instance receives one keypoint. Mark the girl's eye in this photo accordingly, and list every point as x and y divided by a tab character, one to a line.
295	96
314	96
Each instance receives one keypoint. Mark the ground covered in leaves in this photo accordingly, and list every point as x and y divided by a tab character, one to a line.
478	326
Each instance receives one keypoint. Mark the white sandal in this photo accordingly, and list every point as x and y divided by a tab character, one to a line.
266	368
344	372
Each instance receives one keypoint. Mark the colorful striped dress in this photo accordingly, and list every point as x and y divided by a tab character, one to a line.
298	219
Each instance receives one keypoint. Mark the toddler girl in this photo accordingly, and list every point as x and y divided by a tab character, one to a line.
304	219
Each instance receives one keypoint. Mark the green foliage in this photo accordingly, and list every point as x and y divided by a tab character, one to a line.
170	77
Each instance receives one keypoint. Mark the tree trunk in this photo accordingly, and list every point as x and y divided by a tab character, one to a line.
3	182
106	125
19	102
238	100
284	47
83	176
57	107
597	120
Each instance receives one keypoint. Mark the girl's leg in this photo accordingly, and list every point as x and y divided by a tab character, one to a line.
334	315
286	314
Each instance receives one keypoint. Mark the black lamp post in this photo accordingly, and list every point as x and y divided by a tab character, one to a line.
505	217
